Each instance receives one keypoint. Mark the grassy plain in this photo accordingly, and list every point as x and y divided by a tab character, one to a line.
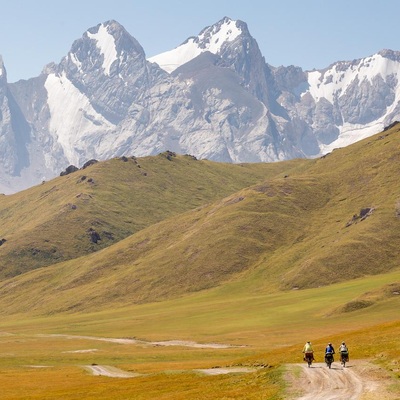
37	362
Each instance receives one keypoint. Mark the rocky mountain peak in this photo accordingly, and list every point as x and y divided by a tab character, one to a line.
109	67
103	49
390	54
214	38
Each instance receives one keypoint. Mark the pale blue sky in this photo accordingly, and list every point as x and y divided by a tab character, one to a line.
306	33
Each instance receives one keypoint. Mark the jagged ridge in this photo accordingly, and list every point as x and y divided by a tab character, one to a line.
104	99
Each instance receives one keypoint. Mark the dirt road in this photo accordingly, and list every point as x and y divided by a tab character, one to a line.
184	343
112	372
358	381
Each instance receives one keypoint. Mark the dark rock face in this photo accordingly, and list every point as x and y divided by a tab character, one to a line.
69	170
89	163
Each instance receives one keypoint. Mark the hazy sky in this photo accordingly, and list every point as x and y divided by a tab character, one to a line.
306	33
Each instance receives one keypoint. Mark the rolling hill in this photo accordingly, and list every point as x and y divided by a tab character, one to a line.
95	207
297	225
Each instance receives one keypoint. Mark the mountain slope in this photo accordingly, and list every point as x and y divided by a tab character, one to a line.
307	229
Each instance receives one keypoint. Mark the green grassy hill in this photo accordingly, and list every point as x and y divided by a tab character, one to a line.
54	221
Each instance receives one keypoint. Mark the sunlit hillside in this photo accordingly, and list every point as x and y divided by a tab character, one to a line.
95	207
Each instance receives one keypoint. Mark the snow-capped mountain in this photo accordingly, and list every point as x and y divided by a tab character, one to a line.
348	101
214	97
212	39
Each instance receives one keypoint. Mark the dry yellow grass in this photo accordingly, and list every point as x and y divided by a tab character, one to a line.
270	325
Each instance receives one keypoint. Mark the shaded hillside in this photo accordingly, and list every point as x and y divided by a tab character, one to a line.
95	207
335	220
